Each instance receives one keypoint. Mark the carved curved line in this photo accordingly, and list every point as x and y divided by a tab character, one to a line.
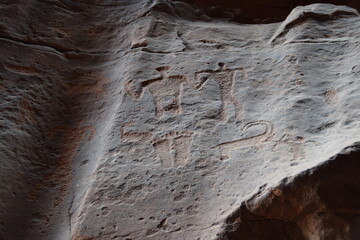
198	86
163	68
202	83
268	132
269	128
134	95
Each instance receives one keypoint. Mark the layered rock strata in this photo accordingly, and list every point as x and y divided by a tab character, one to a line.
161	120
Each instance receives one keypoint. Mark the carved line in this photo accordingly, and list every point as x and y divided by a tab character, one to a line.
248	141
134	136
173	135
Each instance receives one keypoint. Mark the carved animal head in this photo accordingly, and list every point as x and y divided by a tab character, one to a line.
133	89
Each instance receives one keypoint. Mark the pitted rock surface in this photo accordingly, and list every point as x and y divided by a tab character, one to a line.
161	120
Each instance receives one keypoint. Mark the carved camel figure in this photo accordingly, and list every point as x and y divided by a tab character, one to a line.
225	79
163	87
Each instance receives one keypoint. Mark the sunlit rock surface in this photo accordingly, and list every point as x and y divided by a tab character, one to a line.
163	120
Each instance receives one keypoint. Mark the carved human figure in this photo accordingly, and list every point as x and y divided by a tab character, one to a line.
166	90
252	141
225	79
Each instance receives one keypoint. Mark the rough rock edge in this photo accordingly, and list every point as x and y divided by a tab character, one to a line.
318	11
262	203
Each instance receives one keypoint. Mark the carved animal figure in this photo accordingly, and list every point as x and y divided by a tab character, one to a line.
165	90
295	145
225	78
172	149
129	136
246	142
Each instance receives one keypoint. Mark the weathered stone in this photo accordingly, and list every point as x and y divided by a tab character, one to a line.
167	120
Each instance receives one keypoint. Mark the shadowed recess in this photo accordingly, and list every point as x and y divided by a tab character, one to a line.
322	203
258	11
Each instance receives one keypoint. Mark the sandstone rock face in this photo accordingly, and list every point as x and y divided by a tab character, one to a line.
165	120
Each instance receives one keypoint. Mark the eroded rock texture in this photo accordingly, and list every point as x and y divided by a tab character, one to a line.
170	120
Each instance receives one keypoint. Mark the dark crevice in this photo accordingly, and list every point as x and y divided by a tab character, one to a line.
256	11
56	48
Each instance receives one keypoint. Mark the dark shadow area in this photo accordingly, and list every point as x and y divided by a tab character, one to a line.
322	203
257	11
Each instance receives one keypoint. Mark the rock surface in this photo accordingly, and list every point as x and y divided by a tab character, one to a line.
161	120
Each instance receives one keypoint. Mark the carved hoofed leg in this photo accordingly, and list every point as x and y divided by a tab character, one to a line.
175	105
181	145
239	114
163	149
224	153
223	109
159	111
177	100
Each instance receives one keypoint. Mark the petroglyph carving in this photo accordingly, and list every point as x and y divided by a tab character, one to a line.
26	112
355	69
163	149
134	136
246	142
165	90
295	145
171	87
331	96
173	149
96	87
71	138
225	79
80	237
